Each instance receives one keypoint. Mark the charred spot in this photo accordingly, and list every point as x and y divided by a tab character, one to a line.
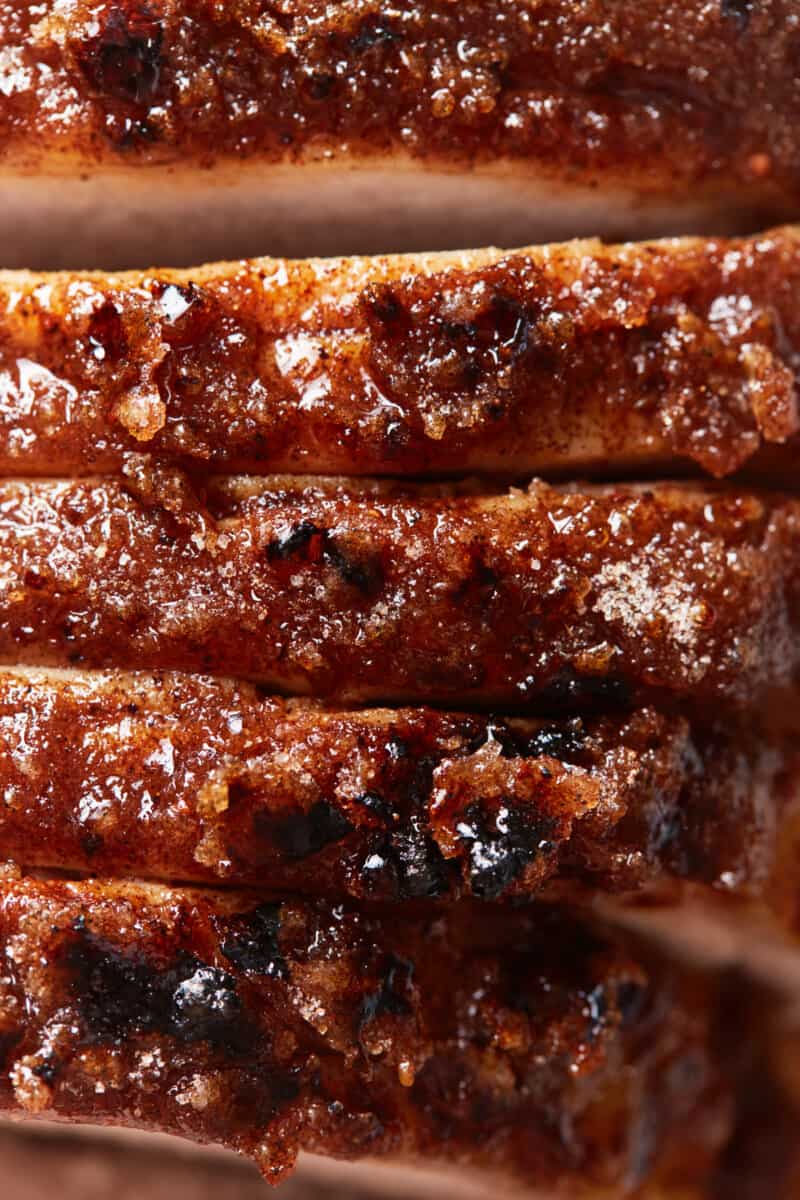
135	130
91	843
383	305
106	334
388	999
597	1008
565	741
397	747
121	993
501	846
374	33
250	942
48	1070
207	1008
738	11
296	544
631	1002
419	866
510	324
497	337
320	86
376	804
307	543
303	833
569	689
366	575
396	435
124	59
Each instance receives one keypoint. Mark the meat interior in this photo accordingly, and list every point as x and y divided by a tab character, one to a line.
179	217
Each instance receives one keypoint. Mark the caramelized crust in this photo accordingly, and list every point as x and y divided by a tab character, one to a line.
675	98
185	777
553	598
522	1040
667	356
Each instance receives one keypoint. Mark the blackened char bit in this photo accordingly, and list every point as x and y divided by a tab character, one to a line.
388	999
122	993
569	688
418	863
375	33
566	741
597	1009
124	59
365	574
295	543
632	997
250	942
301	833
376	804
307	543
501	846
419	867
47	1071
738	11
106	335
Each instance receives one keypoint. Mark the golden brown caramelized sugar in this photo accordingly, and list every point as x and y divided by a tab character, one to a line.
557	598
675	97
673	355
524	1040
187	777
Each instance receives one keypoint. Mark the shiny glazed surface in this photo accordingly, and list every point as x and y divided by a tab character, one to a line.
187	777
555	598
665	356
528	1041
678	95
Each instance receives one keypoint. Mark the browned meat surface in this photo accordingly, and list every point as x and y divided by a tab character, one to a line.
185	777
556	598
445	119
524	1040
670	356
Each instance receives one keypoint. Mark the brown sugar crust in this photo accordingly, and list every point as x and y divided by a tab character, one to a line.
552	598
677	99
525	1040
188	777
670	356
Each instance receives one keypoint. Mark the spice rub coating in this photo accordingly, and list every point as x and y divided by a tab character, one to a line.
677	355
678	98
189	777
525	1040
554	598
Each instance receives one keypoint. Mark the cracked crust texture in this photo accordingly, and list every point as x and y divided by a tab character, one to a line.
552	1052
668	356
552	598
676	116
185	777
